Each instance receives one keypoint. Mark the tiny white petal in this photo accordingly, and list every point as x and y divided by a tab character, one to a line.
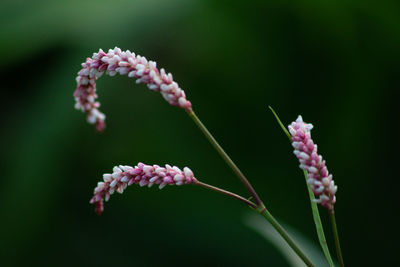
153	179
140	66
123	64
125	167
297	145
176	169
319	190
326	181
152	64
116	175
292	131
157	80
117	169
303	167
323	197
91	119
304	156
107	177
152	86
162	72
113	183
188	172
164	87
147	168
123	70
159	169
120	189
317	183
313	170
112	73
299	119
178	178
162	185
182	102
140	72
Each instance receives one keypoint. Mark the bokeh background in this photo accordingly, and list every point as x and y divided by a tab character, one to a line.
334	62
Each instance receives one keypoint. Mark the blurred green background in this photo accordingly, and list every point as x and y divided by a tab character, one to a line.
334	62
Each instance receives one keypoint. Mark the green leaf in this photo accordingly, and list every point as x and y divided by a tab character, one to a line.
281	124
318	224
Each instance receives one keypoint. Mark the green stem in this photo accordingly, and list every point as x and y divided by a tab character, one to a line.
225	157
258	206
228	193
336	235
264	212
318	224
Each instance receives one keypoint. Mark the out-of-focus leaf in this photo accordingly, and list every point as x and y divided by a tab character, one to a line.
97	22
261	226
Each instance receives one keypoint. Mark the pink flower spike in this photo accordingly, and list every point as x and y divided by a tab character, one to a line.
142	174
123	63
319	179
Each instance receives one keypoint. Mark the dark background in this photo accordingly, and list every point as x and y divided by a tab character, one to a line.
334	62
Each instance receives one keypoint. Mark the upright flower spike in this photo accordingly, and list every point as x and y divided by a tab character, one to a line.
124	63
305	150
142	175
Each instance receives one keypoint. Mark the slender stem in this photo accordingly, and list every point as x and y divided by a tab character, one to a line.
258	206
228	193
226	158
336	235
318	223
264	212
285	236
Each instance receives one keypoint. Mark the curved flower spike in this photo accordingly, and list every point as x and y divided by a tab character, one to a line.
124	63
320	180
141	174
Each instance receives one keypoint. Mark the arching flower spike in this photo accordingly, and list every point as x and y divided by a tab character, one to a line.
142	175
124	63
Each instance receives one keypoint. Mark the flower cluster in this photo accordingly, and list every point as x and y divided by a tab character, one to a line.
141	174
305	150
124	63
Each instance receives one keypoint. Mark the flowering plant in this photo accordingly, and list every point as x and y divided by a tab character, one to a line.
322	189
